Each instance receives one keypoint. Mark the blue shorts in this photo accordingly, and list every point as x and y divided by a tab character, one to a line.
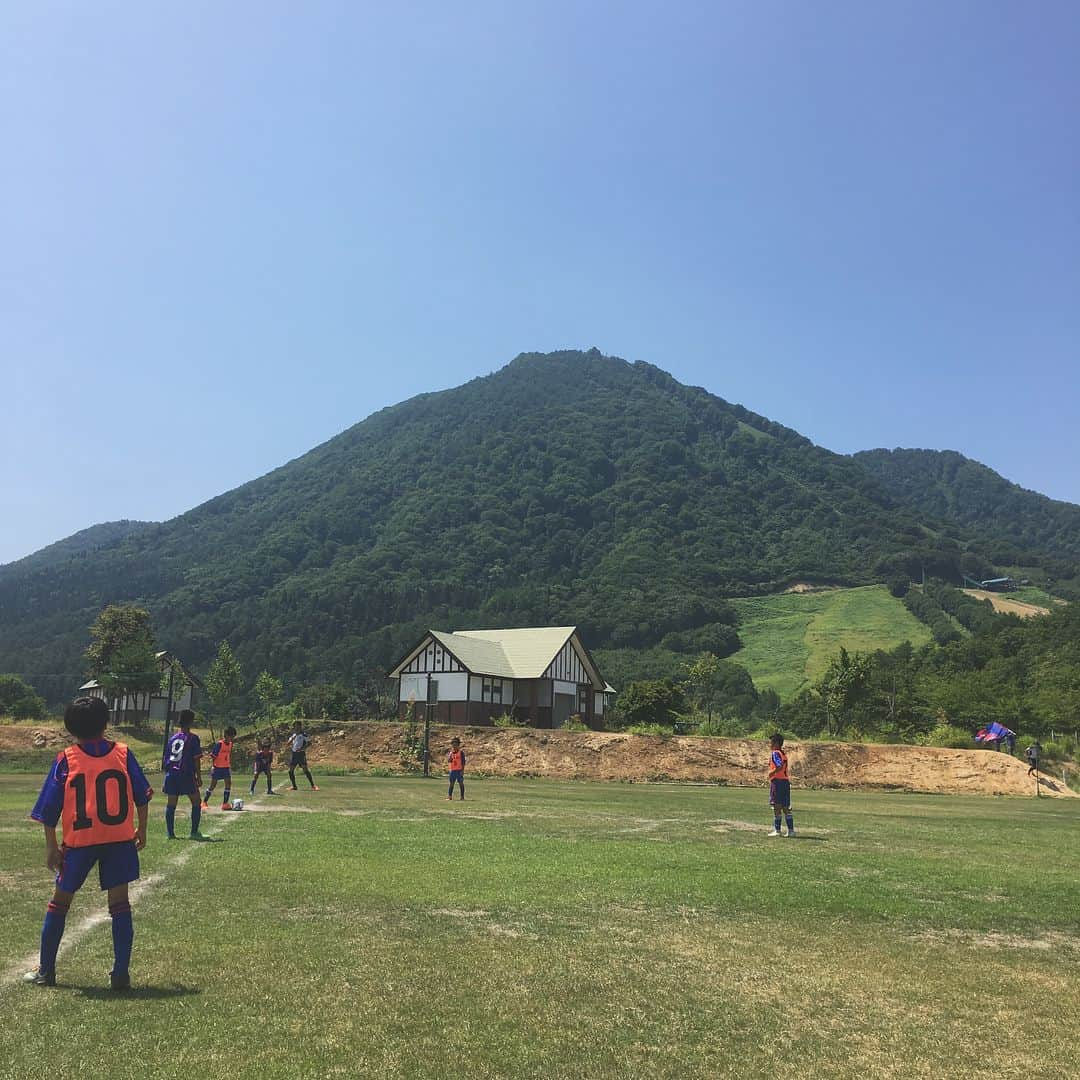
780	793
117	864
261	767
221	774
179	784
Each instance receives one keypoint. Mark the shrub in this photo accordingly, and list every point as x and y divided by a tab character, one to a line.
508	720
575	723
948	737
650	729
724	727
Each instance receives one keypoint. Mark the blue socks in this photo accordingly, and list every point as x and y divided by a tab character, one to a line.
196	817
225	796
123	934
776	824
790	824
170	820
51	932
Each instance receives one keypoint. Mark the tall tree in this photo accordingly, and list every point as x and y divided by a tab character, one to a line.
121	655
225	679
268	691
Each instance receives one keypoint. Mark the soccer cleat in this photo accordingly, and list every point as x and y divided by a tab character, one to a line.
198	836
775	833
791	832
172	836
314	787
226	806
119	982
449	798
40	978
205	805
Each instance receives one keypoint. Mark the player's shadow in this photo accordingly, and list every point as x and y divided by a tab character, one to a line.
137	993
803	838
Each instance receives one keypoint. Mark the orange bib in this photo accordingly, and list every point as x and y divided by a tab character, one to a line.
778	772
99	802
457	760
223	758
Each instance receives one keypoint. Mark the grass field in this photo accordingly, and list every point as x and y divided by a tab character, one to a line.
788	639
547	929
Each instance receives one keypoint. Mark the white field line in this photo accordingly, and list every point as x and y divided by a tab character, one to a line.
74	934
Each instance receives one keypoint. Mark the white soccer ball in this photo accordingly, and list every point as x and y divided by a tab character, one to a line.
238	804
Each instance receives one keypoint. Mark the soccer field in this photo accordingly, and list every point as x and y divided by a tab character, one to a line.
545	929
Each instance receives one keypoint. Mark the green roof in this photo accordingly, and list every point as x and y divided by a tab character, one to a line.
524	653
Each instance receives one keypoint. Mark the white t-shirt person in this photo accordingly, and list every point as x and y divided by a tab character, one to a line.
298	744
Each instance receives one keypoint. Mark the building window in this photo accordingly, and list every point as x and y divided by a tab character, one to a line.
492	690
583	700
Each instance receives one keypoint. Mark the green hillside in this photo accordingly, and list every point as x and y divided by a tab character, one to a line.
945	485
565	488
788	639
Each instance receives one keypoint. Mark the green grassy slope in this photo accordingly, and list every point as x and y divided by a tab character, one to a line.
789	638
566	930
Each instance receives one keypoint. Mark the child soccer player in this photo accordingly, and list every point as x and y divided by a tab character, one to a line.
94	790
180	764
221	769
779	786
264	759
298	744
456	760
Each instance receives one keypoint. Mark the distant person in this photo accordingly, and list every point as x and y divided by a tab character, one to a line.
264	760
456	760
779	786
183	775
221	769
95	790
1010	740
1032	755
298	744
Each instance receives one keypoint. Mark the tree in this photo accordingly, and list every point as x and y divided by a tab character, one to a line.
224	679
268	691
703	678
651	701
121	655
18	699
843	686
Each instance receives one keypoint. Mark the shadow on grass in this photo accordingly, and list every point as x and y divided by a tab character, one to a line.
137	993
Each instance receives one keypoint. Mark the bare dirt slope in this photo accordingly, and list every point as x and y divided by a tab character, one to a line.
738	762
1008	606
569	755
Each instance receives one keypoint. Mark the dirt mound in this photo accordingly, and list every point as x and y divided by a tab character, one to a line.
17	738
569	755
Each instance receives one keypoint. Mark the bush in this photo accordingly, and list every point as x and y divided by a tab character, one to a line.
507	720
650	729
575	723
18	699
948	737
651	702
724	727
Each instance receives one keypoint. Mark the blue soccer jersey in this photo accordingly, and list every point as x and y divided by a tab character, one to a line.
181	752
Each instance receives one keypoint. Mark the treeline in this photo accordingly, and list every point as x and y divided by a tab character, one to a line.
936	602
1022	673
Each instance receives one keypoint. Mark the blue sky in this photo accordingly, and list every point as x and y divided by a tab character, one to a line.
230	231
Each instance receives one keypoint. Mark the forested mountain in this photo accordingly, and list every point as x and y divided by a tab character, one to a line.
76	546
565	488
946	485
